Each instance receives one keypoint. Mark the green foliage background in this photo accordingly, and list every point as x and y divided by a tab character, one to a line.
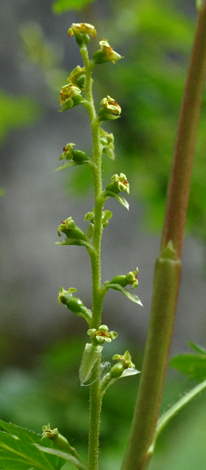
155	38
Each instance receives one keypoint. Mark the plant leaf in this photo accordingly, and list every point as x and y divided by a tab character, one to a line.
129	295
197	348
192	365
73	241
18	452
60	6
63	455
71	163
119	198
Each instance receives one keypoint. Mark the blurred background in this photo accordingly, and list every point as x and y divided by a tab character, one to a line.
40	344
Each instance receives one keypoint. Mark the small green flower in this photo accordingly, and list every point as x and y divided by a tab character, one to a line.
126	360
118	184
107	143
69	228
101	335
77	77
82	32
130	278
70	96
105	53
77	156
109	109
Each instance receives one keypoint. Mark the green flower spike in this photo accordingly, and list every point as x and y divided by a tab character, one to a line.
82	32
118	184
105	53
130	278
69	228
74	304
77	77
109	109
70	96
101	335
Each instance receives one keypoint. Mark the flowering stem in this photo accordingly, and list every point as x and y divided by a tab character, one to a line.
95	395
167	270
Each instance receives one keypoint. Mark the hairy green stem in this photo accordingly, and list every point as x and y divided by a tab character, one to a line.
95	395
167	270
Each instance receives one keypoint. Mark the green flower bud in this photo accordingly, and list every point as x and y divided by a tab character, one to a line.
118	184
76	156
105	53
116	370
70	96
106	215
72	303
107	143
109	109
77	77
130	278
53	434
69	228
101	335
82	32
125	360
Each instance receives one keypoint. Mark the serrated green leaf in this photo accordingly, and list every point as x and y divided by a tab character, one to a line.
129	295
63	455
19	454
22	433
194	366
60	6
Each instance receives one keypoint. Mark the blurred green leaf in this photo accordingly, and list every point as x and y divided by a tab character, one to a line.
60	6
16	112
192	365
17	450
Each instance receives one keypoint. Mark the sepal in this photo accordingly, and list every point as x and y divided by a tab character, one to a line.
90	356
74	304
105	53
